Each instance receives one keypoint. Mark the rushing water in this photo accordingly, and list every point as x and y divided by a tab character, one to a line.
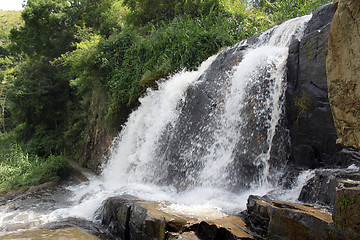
206	161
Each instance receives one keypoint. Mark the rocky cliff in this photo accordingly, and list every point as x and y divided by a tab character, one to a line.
310	123
343	71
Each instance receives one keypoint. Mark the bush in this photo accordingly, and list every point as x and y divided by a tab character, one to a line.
19	169
136	58
282	10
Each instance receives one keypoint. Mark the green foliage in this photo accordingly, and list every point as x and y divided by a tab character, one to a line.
39	98
83	61
8	60
19	169
47	31
145	11
344	202
281	10
8	21
134	59
103	16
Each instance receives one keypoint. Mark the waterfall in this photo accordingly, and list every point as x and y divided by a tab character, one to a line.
158	147
205	139
201	143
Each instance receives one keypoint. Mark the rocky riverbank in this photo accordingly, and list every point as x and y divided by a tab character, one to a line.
130	218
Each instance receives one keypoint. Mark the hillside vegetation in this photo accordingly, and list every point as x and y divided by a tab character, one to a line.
71	63
8	21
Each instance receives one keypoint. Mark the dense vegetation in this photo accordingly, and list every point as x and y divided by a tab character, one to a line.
72	61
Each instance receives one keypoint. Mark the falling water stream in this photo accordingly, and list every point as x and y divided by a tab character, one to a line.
201	142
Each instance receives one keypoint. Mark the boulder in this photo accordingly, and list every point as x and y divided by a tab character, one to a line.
84	226
130	218
312	131
347	208
343	71
281	220
322	188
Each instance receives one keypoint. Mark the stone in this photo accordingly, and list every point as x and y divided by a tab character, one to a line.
62	233
98	134
312	131
320	18
115	215
87	227
321	189
284	220
229	227
130	218
348	156
343	71
347	208
200	115
183	236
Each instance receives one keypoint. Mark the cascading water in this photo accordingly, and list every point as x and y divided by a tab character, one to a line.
179	139
205	139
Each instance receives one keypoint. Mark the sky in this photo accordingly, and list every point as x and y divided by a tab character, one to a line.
11	4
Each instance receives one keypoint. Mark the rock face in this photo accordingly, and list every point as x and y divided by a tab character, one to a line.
347	207
343	71
281	220
322	188
98	136
312	131
205	119
130	218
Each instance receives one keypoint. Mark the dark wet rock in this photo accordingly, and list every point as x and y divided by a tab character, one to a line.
79	174
7	197
31	197
320	17
281	220
197	119
347	156
42	198
200	117
312	132
85	226
230	227
322	188
130	218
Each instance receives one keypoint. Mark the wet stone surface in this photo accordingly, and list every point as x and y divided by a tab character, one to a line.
43	198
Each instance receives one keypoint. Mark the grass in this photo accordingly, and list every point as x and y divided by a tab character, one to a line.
19	169
8	20
282	10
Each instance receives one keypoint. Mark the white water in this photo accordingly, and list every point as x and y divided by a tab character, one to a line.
132	165
135	166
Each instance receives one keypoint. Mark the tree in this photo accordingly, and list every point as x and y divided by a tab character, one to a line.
143	11
39	97
48	29
94	14
41	90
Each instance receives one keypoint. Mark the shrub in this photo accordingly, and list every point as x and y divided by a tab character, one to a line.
19	169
